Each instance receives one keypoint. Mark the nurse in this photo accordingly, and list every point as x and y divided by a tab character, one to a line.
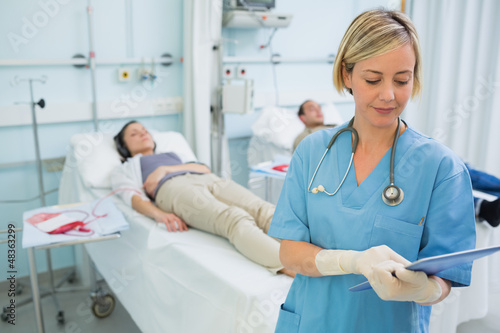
336	241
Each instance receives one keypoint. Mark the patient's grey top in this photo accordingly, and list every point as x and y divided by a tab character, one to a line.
149	163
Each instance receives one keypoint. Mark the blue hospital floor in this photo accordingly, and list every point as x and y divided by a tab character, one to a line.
77	314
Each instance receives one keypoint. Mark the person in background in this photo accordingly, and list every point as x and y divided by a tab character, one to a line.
311	115
488	211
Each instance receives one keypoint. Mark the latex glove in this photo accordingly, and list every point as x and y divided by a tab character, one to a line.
338	262
364	261
392	282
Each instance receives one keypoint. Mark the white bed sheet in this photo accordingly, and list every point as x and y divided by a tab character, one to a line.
473	302
180	282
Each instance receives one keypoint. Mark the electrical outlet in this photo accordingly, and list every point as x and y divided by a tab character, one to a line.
124	75
164	105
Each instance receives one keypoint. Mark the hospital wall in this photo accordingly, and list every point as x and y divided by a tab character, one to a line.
315	32
58	30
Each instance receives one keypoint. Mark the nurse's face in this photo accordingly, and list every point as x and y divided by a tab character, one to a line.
382	86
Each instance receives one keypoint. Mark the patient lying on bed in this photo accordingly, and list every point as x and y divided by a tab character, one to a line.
185	193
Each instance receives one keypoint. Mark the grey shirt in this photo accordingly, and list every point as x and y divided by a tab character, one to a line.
150	163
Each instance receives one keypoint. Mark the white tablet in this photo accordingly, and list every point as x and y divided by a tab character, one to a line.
436	264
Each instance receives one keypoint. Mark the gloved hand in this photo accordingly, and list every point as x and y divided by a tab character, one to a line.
363	262
338	262
392	282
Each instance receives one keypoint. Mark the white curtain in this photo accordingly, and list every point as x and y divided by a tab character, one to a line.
202	30
461	94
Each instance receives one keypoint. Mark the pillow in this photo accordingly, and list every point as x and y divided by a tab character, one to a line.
331	115
281	126
173	142
96	155
278	125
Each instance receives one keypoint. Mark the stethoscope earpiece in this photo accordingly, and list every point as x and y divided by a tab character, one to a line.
320	188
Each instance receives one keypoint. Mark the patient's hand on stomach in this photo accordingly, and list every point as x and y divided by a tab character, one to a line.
154	178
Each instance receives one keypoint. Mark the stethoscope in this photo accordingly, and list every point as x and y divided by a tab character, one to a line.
392	194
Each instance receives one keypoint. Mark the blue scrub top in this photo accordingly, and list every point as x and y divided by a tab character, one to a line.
435	217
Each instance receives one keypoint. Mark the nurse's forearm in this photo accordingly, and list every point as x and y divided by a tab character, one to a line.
299	257
311	260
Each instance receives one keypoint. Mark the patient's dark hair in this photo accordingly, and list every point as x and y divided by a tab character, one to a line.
121	146
301	108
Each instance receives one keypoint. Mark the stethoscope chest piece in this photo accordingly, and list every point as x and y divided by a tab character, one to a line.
393	195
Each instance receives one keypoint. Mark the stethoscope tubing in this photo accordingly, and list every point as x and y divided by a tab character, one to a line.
351	129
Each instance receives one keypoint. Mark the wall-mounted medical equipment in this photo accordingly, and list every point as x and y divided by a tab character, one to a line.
147	73
237	97
249	4
253	14
253	19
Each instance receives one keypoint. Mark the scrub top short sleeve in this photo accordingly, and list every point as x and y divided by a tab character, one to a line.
290	218
449	225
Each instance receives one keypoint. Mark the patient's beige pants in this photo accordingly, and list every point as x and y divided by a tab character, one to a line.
224	208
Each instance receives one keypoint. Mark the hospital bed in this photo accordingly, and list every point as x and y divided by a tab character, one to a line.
272	140
274	133
170	281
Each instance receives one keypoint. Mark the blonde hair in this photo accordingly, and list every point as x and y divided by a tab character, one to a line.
374	33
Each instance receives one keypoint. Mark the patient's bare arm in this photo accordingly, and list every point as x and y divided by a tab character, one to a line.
171	221
154	177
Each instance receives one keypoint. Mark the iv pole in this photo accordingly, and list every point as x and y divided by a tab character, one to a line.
31	253
92	65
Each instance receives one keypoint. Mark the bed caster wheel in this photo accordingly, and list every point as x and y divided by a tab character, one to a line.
4	314
103	306
60	317
72	278
19	289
